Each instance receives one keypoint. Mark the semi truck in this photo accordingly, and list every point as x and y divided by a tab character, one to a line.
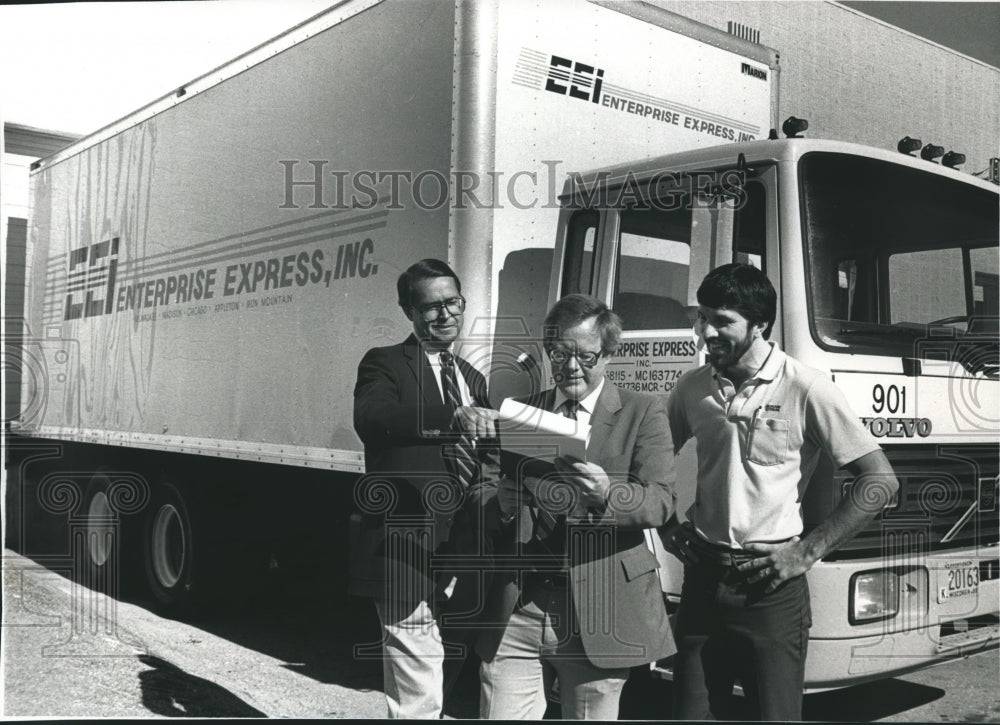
886	270
204	275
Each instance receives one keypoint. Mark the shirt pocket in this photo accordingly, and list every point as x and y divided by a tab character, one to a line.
768	443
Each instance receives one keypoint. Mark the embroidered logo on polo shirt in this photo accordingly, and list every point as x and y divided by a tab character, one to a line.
772	408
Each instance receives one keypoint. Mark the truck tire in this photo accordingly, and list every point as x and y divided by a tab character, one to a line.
101	526
106	558
197	552
172	555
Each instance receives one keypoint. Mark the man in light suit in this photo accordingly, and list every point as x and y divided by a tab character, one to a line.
575	595
423	415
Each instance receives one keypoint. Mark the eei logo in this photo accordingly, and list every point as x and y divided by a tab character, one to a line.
575	79
92	271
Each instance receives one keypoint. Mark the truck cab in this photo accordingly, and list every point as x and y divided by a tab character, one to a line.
886	268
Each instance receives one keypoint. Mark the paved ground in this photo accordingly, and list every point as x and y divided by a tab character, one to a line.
288	652
64	657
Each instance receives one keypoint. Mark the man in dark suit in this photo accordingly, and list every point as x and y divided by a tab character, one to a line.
423	415
575	595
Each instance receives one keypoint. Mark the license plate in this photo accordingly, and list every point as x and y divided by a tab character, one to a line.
960	579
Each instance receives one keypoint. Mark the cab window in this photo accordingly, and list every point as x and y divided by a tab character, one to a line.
663	254
578	263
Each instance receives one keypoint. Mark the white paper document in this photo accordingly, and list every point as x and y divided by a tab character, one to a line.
536	433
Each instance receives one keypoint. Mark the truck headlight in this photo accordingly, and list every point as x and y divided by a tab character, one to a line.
874	596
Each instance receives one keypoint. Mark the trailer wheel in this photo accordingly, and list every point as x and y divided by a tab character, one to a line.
101	528
172	558
108	532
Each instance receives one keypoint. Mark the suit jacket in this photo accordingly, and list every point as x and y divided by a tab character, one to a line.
613	582
408	488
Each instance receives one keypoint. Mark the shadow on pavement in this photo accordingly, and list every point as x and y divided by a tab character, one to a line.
868	702
168	691
310	625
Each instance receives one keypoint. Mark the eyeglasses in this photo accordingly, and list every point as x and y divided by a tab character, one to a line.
561	357
452	305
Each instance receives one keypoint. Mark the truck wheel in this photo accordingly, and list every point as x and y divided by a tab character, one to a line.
108	534
171	551
101	525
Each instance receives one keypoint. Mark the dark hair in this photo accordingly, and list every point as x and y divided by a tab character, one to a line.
744	288
573	309
424	269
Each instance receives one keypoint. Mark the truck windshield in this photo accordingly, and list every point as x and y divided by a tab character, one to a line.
895	254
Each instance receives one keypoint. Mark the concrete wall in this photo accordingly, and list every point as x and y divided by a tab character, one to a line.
859	79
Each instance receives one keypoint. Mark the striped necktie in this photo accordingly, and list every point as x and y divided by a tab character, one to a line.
460	456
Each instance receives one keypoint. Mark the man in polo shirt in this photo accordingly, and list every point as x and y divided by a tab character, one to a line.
761	420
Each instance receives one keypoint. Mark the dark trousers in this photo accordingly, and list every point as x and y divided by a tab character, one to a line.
728	629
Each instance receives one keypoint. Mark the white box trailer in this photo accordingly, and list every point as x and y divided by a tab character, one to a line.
205	274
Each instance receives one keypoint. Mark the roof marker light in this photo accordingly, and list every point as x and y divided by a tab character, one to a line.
793	126
931	152
908	145
953	159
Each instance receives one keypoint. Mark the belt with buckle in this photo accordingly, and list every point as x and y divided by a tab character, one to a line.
717	554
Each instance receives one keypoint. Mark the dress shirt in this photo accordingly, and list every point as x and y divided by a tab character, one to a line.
435	362
585	406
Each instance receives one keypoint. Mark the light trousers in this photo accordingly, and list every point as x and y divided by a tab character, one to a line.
539	646
412	659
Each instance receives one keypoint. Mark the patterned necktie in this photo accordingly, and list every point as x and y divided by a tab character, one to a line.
570	408
460	457
549	528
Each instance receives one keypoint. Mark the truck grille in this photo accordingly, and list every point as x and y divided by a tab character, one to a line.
947	500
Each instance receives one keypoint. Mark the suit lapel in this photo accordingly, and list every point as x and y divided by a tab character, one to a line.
603	419
548	400
423	373
472	378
